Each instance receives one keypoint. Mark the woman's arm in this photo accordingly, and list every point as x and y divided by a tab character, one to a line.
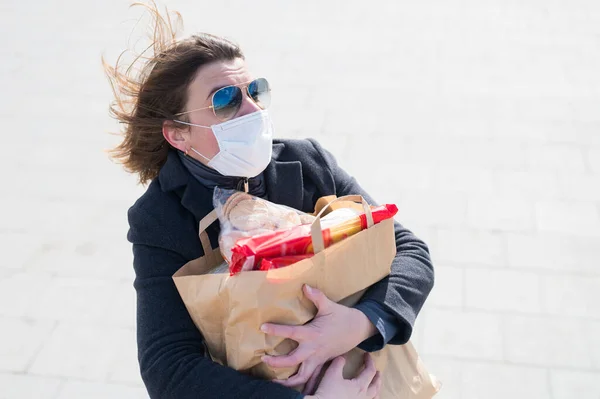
170	348
400	295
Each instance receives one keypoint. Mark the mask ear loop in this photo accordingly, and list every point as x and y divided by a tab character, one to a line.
193	149
190	124
187	150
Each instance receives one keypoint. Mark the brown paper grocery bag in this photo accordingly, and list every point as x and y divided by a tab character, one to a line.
229	310
404	374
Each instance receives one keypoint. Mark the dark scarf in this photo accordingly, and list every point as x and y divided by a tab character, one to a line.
210	178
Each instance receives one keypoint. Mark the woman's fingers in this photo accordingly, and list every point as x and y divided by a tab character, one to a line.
366	376
336	367
317	297
311	385
294	358
297	333
301	377
375	387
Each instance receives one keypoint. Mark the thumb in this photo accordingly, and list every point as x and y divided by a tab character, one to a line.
316	297
337	365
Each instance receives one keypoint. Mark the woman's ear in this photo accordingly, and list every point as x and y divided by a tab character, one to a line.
175	135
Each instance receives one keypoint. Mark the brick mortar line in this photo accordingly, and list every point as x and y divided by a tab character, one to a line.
550	368
78	323
497	312
542	294
533	270
549	383
65	379
59	389
585	155
503	340
41	346
54	274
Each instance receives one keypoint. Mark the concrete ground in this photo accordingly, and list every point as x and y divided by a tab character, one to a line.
480	119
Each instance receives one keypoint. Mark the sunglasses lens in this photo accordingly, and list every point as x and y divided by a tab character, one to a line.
260	91
227	102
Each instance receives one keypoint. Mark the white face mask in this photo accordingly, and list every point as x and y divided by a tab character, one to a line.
245	145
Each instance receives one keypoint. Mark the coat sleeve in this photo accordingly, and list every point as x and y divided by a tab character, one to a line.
405	290
171	350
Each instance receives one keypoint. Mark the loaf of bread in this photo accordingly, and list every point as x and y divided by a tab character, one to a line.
243	215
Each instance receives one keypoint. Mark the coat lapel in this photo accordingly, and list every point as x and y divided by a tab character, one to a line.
194	196
282	178
197	199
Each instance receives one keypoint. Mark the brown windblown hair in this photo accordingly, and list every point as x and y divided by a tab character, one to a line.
148	94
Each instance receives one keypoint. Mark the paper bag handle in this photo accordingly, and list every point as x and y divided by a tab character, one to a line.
204	240
316	232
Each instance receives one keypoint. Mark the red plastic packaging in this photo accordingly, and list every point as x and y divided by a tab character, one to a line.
282	261
295	243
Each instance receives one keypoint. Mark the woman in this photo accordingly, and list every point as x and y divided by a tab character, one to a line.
195	118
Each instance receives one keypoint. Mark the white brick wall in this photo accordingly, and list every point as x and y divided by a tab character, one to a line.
16	290
431	208
477	153
473	247
507	214
554	252
571	295
574	384
559	342
94	390
466	180
467	335
18	249
21	386
51	218
401	174
556	158
93	255
125	368
577	218
499	381
530	184
21	340
449	287
61	298
593	158
449	372
561	132
504	290
593	332
85	351
580	187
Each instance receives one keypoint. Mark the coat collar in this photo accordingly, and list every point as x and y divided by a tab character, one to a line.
283	180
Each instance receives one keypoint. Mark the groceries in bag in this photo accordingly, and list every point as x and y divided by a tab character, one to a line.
259	235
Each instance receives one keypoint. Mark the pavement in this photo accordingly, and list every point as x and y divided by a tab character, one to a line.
478	118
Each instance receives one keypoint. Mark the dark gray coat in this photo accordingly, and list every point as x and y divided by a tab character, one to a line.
164	232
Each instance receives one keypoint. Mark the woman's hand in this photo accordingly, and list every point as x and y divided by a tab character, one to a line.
333	386
334	331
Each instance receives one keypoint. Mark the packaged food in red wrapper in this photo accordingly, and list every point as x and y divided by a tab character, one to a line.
270	250
259	235
282	261
242	215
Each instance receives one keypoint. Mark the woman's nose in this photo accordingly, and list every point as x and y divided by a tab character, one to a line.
248	106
